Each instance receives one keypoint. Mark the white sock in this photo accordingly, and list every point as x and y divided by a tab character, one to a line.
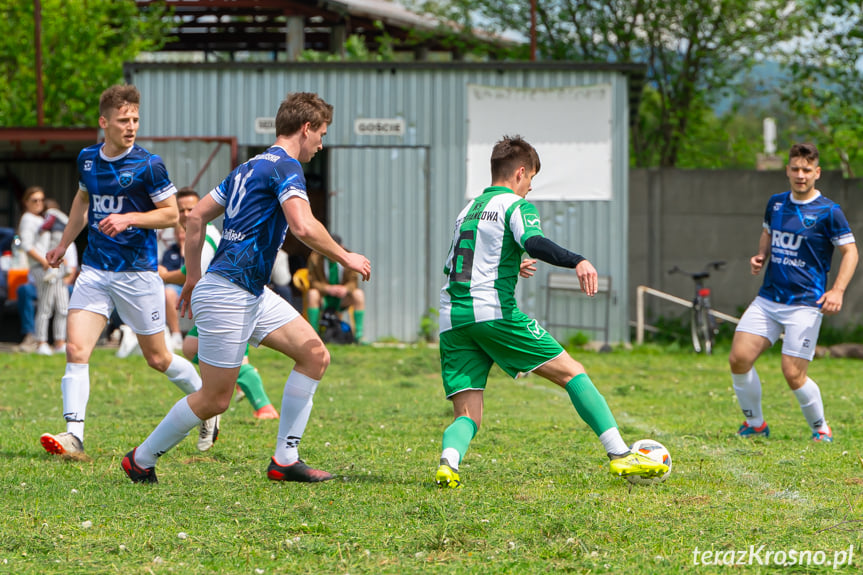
811	405
747	386
296	408
452	457
613	442
76	391
170	431
183	374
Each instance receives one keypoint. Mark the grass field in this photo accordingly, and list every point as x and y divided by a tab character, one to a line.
537	497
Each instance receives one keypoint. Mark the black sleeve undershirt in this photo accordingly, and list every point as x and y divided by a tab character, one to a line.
542	248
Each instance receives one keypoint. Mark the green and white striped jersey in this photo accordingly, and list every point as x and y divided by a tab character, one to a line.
484	258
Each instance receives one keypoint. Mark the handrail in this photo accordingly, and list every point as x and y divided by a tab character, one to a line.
639	309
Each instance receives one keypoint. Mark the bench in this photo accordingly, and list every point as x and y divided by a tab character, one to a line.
557	282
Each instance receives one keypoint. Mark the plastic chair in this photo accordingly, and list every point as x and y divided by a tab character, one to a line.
15	279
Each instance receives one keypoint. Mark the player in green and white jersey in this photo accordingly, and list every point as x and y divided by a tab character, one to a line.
480	322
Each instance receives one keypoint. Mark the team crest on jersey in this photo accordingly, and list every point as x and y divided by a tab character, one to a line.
126	178
88	165
809	221
535	329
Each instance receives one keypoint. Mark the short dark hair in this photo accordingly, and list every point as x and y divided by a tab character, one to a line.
186	192
806	151
118	96
301	107
509	154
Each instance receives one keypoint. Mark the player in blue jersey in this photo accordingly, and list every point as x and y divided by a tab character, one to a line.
261	200
124	195
801	229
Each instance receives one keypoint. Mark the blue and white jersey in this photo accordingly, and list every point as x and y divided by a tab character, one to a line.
255	226
802	237
131	182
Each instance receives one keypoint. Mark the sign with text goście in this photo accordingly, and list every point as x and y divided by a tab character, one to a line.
379	127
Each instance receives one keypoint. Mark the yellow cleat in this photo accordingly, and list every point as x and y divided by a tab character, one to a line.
636	464
447	477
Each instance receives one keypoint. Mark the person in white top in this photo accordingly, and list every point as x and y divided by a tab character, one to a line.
52	295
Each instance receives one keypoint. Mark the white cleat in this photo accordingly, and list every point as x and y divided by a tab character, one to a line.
208	433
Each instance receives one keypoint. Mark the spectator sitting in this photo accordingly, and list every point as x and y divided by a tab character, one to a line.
332	287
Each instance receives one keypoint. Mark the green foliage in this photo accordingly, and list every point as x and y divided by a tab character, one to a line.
356	50
578	339
826	85
429	325
537	498
84	45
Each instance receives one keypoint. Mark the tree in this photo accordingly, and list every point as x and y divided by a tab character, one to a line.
695	51
84	45
826	85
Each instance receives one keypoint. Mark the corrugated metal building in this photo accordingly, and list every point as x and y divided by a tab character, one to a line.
394	197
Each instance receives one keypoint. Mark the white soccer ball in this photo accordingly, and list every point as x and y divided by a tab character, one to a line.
655	451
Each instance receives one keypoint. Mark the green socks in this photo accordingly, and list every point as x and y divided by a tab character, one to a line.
250	382
315	318
590	404
359	314
457	438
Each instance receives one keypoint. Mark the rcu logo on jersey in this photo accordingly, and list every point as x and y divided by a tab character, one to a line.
107	204
787	240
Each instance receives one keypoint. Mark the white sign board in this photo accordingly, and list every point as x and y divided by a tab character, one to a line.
265	125
379	127
569	127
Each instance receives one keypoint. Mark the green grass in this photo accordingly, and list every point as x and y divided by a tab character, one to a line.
537	497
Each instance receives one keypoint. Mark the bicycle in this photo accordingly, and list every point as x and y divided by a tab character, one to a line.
702	324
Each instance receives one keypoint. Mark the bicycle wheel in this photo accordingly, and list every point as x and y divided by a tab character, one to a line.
702	332
695	329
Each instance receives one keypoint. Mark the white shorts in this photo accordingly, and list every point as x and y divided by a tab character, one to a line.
228	317
800	323
139	297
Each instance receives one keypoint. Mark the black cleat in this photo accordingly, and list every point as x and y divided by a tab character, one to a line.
138	474
296	471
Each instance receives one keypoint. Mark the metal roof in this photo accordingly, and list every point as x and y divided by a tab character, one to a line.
261	25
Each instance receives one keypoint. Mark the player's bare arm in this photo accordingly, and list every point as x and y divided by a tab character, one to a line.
303	224
203	213
165	215
77	222
756	262
176	277
831	301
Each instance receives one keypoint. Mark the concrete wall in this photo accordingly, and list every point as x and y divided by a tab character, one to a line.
690	217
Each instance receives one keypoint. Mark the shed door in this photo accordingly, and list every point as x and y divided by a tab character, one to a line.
379	206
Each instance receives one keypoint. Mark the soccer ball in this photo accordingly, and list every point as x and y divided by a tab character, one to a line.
655	451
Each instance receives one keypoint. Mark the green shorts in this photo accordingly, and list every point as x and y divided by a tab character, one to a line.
518	344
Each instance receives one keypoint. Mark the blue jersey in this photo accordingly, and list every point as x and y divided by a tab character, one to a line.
802	236
132	182
255	226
